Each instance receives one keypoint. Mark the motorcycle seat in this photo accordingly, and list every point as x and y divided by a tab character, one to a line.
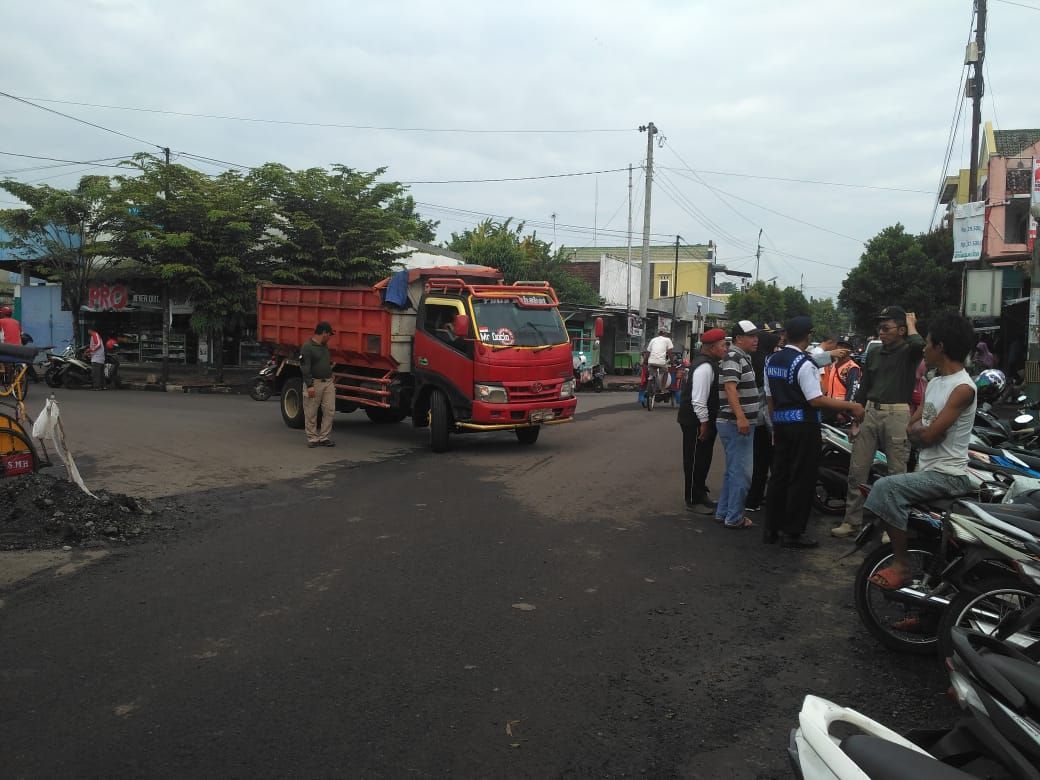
878	757
1022	675
1025	517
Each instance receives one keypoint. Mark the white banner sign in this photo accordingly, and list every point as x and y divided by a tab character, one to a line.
969	225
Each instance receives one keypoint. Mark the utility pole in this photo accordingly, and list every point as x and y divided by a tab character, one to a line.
553	218
675	281
644	287
628	279
976	89
758	254
595	213
166	287
801	284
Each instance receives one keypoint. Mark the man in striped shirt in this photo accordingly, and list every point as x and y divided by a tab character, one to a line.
738	412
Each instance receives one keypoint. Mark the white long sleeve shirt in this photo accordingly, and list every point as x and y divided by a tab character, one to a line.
700	387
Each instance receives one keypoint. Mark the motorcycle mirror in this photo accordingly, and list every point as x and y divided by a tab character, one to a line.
597	327
1021	399
1023	419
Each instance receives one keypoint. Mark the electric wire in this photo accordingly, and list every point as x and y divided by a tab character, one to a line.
951	135
82	121
1020	5
799	181
338	125
681	200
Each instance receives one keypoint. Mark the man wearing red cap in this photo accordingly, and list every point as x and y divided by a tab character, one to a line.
698	409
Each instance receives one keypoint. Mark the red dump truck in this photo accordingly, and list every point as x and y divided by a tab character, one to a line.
454	348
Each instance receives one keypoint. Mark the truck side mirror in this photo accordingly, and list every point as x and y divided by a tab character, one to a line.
461	324
598	327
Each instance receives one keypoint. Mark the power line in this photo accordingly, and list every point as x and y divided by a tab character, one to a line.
61	159
801	181
992	95
695	213
952	135
1020	5
517	178
338	125
82	121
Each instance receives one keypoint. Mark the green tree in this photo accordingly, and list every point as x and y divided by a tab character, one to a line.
66	229
726	288
208	238
762	302
827	318
896	269
504	246
339	227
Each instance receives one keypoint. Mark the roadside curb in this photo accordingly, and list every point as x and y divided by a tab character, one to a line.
158	387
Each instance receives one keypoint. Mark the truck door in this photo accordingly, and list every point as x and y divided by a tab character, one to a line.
442	357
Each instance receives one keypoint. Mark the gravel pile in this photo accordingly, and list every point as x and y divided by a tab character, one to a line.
39	512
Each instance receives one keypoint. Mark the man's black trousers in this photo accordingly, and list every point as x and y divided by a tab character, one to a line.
763	460
792	480
696	460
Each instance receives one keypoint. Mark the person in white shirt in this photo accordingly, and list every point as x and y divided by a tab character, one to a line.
660	348
698	410
941	429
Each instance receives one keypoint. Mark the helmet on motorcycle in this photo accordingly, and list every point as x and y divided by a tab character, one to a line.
6	311
111	344
990	384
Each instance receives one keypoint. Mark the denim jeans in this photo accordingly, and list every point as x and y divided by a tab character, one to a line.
740	463
890	498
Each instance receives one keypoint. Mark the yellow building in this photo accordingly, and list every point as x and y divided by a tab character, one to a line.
694	266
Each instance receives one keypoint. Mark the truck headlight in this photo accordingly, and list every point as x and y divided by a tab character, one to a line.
567	388
491	394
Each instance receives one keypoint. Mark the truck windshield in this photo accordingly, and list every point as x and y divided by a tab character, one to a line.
502	322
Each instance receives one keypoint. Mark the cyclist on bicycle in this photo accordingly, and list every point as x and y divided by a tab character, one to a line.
660	349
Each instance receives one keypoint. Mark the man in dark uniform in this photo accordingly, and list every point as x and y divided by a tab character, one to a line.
698	408
795	400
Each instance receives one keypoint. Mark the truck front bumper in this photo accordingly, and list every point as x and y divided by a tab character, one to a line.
507	417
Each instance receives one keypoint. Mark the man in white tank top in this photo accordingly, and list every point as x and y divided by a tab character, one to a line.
941	429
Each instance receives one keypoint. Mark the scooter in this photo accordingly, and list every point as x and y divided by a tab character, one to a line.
832	475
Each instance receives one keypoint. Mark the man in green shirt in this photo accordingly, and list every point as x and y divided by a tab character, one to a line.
884	391
319	389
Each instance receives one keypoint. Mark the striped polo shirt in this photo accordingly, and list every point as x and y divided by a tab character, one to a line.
736	367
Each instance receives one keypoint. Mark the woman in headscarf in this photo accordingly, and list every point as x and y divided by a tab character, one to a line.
983	357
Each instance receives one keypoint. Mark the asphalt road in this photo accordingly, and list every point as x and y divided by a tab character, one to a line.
378	610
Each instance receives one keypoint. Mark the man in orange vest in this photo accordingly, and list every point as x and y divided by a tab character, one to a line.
840	377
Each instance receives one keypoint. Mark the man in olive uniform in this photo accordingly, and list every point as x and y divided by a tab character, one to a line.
319	389
884	391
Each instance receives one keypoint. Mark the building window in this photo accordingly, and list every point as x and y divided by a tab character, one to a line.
664	285
1016	221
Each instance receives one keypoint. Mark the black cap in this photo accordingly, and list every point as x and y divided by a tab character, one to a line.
897	313
842	344
324	327
745	328
798	328
778	327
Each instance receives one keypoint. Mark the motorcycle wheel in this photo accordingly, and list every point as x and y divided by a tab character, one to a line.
982	609
261	390
597	385
823	500
881	614
52	376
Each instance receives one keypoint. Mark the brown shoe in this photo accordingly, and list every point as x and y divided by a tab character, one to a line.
326	443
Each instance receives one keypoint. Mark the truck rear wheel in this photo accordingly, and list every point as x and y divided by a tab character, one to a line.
381	416
528	435
440	422
292	402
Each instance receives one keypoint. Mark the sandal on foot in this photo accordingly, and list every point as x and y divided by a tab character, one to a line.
747	522
891	578
911	624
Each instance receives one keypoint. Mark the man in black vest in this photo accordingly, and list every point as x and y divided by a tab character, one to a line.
698	408
795	398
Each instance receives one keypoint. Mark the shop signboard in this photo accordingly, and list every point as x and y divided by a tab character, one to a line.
969	223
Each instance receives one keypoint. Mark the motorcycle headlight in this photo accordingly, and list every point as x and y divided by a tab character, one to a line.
491	394
567	388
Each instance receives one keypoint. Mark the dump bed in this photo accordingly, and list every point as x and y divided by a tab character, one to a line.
367	332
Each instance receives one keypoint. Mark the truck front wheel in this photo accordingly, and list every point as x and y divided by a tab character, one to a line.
528	435
440	422
292	402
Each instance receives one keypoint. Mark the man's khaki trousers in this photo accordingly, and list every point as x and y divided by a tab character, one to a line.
324	399
882	429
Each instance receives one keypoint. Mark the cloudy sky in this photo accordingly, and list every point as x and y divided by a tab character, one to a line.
748	95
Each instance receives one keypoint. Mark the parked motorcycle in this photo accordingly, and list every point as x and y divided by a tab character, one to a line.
586	376
56	363
264	382
956	546
833	472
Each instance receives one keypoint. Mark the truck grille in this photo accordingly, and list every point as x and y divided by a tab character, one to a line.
526	392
